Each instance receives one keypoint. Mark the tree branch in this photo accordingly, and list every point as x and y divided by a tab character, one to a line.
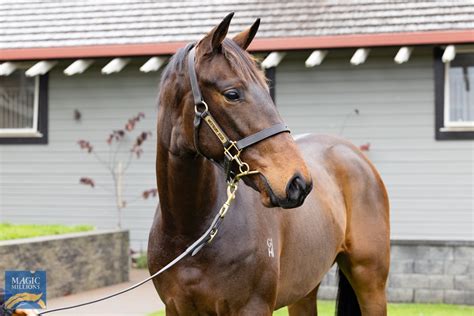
106	165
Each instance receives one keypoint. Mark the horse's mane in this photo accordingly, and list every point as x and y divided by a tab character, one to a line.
241	62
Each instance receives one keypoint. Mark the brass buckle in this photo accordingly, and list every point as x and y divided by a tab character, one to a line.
228	151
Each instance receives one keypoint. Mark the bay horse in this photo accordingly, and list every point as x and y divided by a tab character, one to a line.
315	201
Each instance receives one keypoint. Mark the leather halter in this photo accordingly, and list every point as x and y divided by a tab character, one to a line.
232	149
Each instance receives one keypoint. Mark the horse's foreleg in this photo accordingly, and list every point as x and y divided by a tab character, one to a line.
307	306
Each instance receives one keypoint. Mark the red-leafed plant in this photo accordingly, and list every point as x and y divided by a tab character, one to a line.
365	147
116	168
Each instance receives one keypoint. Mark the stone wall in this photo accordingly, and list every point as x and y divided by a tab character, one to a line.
73	262
424	272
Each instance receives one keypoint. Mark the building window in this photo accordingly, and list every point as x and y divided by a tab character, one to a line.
454	96
23	109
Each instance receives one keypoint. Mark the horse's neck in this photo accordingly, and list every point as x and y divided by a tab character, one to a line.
188	191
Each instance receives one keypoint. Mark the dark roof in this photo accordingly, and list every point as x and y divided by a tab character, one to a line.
35	24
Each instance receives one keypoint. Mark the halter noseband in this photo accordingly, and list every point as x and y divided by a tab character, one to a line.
232	149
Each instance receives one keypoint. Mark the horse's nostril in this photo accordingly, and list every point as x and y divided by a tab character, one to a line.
296	191
296	188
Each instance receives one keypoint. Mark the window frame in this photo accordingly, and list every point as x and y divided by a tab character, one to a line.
39	133
443	131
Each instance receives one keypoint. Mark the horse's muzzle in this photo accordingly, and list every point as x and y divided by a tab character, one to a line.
296	191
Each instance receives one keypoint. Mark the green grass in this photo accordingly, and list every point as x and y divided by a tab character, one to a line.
141	262
326	308
12	231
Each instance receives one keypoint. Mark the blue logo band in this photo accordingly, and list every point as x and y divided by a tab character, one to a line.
25	289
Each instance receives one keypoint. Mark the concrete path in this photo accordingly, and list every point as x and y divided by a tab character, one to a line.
138	302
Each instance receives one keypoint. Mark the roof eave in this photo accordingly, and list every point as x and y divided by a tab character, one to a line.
365	40
261	44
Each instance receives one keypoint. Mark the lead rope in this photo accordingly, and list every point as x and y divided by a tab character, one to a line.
206	238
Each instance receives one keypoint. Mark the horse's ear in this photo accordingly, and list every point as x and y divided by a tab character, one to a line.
213	40
244	38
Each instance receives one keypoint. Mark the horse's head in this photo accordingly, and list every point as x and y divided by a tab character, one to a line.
237	95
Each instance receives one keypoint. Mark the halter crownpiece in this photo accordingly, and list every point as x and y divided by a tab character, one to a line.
232	149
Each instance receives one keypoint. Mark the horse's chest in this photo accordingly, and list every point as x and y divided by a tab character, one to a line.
215	284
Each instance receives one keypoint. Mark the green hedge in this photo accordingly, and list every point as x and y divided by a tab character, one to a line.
16	231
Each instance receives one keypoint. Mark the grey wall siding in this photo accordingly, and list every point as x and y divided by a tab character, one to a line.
430	183
40	183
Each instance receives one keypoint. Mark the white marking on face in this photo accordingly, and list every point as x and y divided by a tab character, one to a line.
271	252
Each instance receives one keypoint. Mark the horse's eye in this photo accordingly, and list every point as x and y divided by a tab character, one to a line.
232	95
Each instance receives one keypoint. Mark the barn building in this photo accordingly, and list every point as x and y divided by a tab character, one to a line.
394	77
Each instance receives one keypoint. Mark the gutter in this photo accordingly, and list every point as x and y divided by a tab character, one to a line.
258	45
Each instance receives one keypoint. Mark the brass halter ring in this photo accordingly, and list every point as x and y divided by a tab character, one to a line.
206	107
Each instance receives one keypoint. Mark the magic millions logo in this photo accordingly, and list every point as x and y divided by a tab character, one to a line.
25	289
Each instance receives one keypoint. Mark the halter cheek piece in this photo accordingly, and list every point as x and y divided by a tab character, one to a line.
232	149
